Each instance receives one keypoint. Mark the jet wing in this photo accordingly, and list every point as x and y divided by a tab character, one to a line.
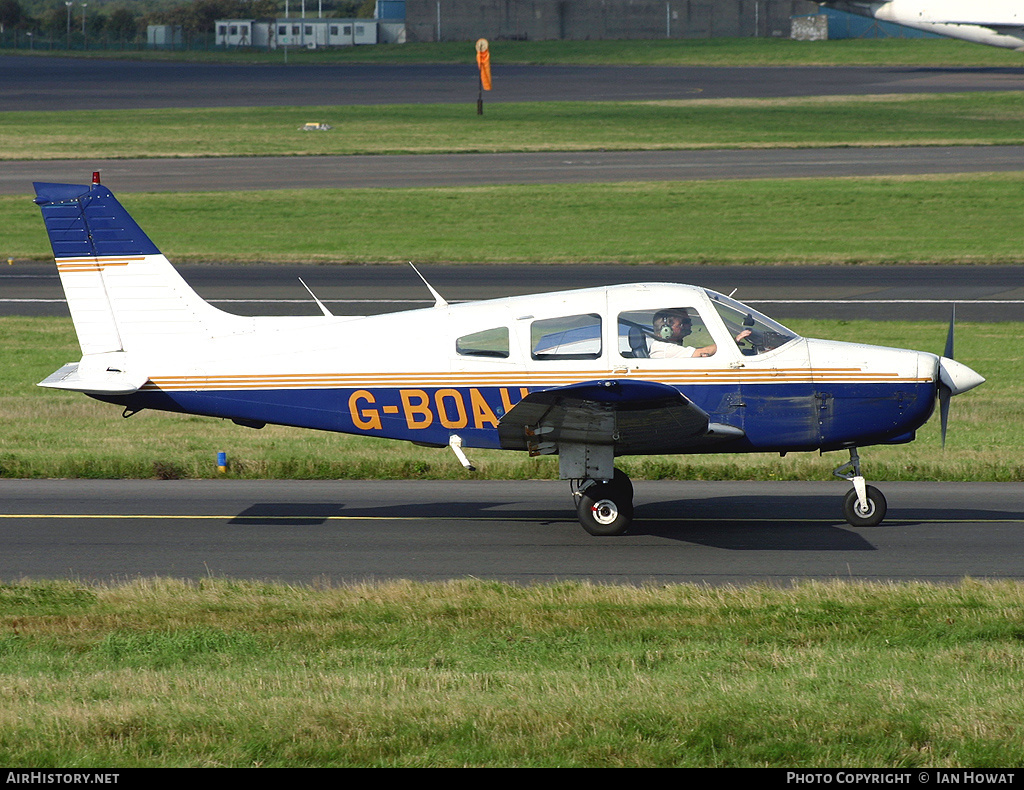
635	417
106	382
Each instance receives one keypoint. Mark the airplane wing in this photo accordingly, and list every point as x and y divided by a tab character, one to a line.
636	417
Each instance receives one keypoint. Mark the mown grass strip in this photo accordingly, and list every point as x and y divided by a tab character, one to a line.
936	219
995	118
231	673
46	433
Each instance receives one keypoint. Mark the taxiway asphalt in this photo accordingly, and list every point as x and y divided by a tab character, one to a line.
525	532
433	170
923	293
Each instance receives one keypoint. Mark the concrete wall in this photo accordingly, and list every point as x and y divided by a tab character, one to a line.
810	28
538	20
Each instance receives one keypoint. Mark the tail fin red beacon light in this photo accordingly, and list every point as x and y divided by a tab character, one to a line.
588	375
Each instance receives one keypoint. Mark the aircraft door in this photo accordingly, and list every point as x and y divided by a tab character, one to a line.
777	397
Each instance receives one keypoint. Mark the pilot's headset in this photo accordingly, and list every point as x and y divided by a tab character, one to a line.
665	332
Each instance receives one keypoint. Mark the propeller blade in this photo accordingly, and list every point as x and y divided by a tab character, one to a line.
944	396
948	354
954	378
945	393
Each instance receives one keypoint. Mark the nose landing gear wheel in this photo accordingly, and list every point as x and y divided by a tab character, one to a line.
605	509
869	516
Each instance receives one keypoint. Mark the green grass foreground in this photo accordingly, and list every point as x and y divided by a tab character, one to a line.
47	433
995	118
968	218
157	673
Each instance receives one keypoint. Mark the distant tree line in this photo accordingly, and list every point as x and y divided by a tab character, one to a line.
112	22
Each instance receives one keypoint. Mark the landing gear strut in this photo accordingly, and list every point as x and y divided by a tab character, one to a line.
863	505
604	507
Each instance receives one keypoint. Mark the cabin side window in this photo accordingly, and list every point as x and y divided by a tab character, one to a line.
488	343
566	337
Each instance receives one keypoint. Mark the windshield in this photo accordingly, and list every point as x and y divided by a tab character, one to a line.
761	332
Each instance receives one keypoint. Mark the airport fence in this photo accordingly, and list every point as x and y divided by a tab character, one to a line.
28	40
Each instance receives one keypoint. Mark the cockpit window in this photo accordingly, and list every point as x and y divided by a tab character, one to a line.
566	337
755	333
488	343
664	333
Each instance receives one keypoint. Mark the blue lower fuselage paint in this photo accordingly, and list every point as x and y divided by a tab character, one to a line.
775	417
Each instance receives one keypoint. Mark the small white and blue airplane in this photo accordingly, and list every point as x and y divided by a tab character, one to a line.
588	375
997	23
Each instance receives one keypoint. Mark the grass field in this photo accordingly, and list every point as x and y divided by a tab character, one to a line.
971	218
995	118
468	673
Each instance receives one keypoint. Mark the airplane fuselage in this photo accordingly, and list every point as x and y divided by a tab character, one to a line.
414	375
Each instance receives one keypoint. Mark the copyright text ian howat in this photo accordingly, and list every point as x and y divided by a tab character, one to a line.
900	777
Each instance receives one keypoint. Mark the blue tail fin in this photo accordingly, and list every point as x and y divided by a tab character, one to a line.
88	221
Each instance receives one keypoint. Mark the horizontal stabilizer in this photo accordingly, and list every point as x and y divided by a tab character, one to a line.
109	381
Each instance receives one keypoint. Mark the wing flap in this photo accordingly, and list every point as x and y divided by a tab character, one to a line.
634	417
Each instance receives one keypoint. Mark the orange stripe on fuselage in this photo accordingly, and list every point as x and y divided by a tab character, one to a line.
521	378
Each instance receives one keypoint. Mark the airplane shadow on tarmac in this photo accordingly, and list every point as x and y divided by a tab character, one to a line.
785	523
791	523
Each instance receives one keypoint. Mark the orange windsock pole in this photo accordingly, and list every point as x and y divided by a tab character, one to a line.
483	61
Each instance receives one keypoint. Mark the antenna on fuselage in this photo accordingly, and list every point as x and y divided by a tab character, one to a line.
438	299
320	304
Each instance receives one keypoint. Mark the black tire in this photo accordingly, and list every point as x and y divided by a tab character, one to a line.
623	482
870	517
605	509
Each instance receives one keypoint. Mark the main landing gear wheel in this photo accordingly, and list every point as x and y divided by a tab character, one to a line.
869	516
606	509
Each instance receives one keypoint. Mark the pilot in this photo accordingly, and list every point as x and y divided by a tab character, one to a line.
671	326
